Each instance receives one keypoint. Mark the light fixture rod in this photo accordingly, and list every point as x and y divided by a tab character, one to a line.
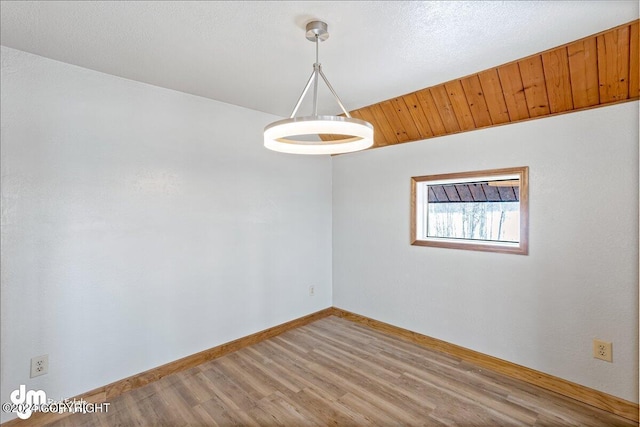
316	67
315	91
346	113
304	93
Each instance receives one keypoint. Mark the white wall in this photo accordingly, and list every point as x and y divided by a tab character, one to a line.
141	225
579	281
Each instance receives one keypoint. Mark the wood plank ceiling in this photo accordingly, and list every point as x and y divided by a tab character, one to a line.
598	70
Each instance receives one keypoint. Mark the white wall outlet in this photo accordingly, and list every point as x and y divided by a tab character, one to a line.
39	365
602	350
312	290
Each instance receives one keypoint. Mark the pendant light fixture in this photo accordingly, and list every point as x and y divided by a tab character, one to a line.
302	135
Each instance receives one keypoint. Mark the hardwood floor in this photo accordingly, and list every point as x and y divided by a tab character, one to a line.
335	372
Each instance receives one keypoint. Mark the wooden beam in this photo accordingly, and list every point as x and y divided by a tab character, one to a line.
556	75
477	102
595	71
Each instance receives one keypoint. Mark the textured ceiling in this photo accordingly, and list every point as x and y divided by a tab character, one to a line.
254	54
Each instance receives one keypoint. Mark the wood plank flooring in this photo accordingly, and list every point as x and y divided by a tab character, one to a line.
335	372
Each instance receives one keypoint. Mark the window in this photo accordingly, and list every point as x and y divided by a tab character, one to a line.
482	211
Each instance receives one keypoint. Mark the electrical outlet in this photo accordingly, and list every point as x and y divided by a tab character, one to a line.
602	350
39	365
312	290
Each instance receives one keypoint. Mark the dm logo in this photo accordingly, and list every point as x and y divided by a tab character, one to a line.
26	401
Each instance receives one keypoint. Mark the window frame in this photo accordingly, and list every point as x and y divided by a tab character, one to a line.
520	248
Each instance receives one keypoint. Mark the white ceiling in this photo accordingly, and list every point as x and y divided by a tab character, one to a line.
254	54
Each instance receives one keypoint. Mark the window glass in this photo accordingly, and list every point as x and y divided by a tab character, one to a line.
485	210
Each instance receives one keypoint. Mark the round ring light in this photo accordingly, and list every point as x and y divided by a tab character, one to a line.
285	135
